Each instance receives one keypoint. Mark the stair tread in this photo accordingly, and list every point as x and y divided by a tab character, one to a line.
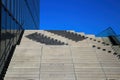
33	60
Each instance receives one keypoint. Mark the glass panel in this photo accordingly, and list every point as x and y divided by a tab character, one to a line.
14	14
109	32
3	37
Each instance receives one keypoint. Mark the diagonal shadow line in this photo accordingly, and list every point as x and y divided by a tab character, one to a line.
70	35
38	37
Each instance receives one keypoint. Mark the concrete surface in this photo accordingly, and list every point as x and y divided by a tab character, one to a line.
33	60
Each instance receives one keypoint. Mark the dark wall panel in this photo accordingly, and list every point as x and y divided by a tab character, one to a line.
15	17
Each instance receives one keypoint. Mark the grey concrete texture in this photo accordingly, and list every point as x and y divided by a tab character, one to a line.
76	61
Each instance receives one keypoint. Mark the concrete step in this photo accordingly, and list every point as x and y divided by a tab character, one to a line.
21	78
81	33
79	60
116	49
90	35
107	40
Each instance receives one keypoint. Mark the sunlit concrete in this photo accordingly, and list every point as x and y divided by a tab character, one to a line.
33	60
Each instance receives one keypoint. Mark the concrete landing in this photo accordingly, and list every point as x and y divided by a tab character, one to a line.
34	60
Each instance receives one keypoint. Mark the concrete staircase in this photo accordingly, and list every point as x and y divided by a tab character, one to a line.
63	55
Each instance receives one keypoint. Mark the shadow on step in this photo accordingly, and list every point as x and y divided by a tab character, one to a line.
38	37
70	35
7	35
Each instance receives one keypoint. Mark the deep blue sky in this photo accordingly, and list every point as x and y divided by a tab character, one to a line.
89	16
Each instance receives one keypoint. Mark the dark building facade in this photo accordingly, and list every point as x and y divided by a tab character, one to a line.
15	17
